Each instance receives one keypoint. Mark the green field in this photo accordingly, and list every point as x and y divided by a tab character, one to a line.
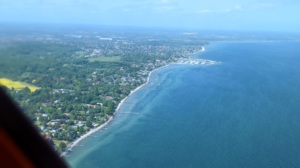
105	59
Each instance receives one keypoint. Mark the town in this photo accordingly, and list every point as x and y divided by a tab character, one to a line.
82	76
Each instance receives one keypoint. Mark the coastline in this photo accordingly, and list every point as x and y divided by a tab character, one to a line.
94	130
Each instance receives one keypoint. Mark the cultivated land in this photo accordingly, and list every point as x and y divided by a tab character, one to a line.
15	85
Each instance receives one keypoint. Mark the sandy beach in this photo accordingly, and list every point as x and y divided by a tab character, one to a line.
73	144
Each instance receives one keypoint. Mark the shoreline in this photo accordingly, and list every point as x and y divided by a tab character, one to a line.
94	130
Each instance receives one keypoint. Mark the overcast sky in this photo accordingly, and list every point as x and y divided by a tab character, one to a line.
270	15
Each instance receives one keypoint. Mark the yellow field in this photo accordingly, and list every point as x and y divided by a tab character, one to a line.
17	85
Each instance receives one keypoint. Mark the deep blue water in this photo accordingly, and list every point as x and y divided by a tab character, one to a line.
244	112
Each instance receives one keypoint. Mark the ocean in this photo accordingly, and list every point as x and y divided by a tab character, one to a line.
244	112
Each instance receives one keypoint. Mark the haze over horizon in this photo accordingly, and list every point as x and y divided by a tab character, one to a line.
248	15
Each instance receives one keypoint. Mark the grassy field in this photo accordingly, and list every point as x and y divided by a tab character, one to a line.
105	59
17	85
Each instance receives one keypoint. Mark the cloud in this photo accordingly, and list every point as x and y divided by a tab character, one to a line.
238	8
256	6
164	6
209	11
253	6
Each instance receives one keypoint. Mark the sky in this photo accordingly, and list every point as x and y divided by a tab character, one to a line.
258	15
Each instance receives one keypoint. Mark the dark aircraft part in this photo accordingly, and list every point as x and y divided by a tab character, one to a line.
21	145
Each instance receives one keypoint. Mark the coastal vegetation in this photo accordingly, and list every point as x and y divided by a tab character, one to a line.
68	83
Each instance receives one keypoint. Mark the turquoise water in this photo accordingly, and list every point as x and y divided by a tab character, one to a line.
244	112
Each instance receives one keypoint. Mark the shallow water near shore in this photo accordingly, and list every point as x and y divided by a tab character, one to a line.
244	112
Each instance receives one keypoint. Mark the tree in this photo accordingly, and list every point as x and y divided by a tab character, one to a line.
62	146
89	124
